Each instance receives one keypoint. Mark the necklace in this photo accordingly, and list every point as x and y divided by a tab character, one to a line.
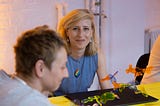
77	73
80	64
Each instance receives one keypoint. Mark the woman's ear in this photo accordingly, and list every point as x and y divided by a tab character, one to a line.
39	68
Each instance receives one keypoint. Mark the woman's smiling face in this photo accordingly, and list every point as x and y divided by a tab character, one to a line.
80	34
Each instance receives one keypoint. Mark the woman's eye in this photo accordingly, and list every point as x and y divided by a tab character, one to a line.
75	29
86	29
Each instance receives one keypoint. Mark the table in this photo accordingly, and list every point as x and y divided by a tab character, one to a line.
152	89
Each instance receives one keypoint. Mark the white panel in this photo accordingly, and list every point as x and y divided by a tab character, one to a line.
150	37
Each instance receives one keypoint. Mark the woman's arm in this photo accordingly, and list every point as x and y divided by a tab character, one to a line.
154	61
102	71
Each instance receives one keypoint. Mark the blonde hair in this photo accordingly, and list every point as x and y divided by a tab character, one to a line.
73	17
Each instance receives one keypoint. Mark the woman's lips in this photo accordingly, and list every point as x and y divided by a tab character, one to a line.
80	41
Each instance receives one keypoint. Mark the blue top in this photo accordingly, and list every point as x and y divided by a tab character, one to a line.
81	75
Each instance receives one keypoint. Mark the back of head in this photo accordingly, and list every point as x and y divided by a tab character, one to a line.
38	43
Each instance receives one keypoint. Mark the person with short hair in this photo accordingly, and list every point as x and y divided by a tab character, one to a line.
40	57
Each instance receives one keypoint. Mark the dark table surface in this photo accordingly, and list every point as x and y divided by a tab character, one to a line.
127	97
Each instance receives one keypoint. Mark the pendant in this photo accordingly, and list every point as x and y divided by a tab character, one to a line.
77	73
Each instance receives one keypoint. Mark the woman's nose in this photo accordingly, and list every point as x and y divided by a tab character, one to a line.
81	32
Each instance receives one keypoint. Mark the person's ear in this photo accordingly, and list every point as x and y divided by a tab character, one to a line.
39	68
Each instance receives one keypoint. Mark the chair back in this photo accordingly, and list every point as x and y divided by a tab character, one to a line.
141	63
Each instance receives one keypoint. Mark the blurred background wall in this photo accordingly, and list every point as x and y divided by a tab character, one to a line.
122	32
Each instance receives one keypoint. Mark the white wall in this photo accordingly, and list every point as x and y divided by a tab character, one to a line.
126	37
152	13
17	16
122	33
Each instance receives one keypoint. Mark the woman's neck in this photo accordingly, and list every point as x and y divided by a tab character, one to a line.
76	54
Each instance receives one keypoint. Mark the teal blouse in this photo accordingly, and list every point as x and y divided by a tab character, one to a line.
81	75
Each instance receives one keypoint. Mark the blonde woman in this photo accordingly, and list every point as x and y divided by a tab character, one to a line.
85	59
